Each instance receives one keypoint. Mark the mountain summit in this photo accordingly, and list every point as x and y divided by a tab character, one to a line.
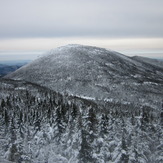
93	72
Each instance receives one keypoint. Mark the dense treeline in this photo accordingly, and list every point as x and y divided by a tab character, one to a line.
39	125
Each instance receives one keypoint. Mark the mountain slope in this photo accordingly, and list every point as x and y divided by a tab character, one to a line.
40	125
95	72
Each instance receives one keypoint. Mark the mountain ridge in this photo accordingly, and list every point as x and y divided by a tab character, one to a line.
95	72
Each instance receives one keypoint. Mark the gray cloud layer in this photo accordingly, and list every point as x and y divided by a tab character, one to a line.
98	18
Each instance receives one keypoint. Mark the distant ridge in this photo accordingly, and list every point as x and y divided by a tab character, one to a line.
154	62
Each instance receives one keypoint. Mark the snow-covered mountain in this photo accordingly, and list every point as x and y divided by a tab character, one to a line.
96	73
82	104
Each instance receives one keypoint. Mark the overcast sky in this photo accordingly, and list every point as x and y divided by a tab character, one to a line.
128	26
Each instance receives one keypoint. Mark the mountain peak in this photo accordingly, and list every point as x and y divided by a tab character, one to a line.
90	71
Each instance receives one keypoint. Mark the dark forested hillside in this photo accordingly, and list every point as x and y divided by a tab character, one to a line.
40	125
6	69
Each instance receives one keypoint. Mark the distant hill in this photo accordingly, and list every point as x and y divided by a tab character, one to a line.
7	67
95	72
14	62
